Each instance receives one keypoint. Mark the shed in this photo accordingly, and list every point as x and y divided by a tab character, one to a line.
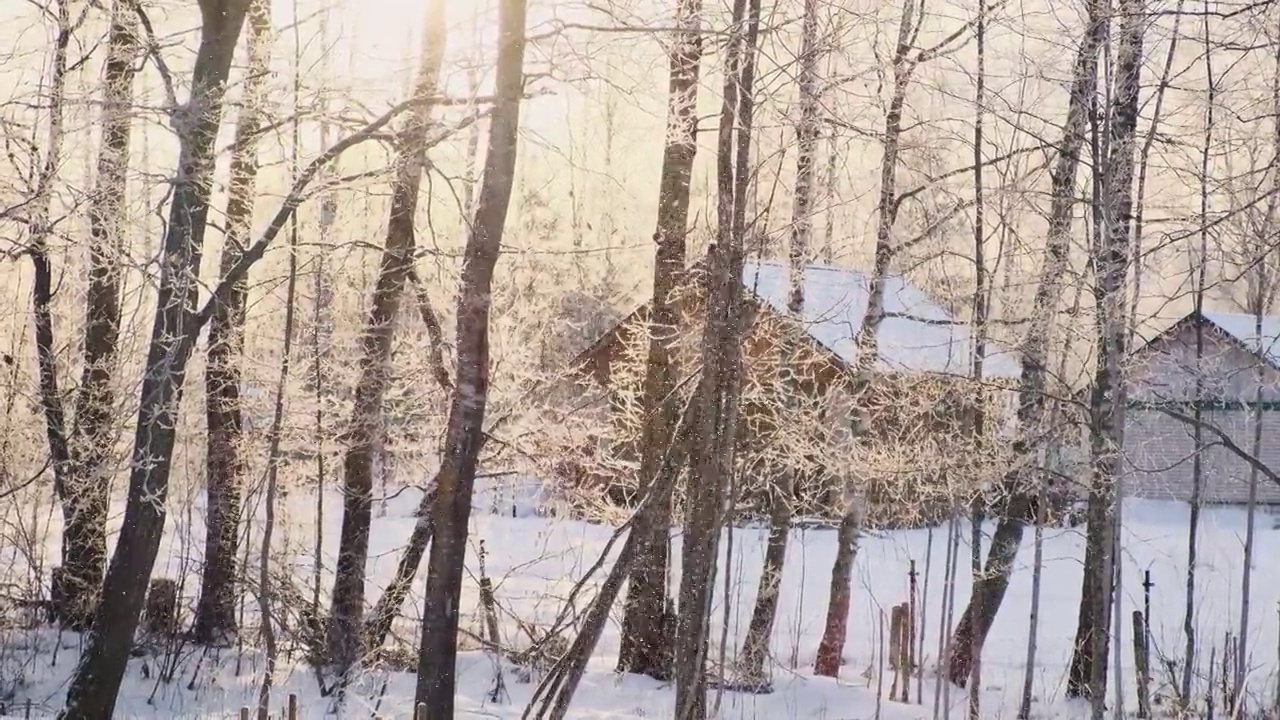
923	349
1236	385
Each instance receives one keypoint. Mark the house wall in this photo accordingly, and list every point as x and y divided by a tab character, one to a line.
1159	448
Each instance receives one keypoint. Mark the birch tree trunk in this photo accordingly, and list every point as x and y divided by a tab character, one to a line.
346	637
96	682
755	647
438	649
88	483
215	617
1017	492
646	645
1088	674
720	383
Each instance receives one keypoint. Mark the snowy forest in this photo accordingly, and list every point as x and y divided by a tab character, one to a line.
685	359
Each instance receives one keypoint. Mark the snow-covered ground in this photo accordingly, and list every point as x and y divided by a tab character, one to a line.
535	560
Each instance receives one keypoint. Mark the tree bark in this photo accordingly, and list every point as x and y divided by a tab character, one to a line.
1088	673
88	482
96	682
755	648
39	231
986	601
720	382
346	636
215	619
646	646
464	434
831	648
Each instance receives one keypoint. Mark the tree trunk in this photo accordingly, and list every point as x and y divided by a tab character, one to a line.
388	606
215	617
39	230
378	625
720	382
96	682
979	615
755	648
978	633
346	634
986	601
464	435
1088	674
88	483
646	647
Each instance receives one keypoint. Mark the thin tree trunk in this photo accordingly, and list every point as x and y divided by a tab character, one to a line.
84	538
831	648
346	634
1035	352
1197	459
1262	301
265	589
96	682
215	619
755	647
719	389
646	646
1052	454
552	697
1033	625
979	324
39	231
464	435
1088	676
1139	212
378	624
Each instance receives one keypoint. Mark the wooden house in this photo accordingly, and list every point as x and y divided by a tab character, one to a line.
925	395
1235	380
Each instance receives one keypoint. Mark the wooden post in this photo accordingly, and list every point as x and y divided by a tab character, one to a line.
421	712
1142	664
903	651
895	639
1213	665
244	713
880	675
1146	612
912	620
293	707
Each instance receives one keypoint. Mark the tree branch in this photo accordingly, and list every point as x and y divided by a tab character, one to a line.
1223	437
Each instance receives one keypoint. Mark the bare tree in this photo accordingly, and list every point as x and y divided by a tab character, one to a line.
756	645
646	644
346	639
1016	493
96	683
87	483
1088	675
720	383
1258	263
464	436
224	462
907	59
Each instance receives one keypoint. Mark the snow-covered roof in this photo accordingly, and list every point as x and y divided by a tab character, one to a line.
1243	328
917	336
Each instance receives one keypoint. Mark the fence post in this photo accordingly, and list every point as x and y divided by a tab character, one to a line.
1142	664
